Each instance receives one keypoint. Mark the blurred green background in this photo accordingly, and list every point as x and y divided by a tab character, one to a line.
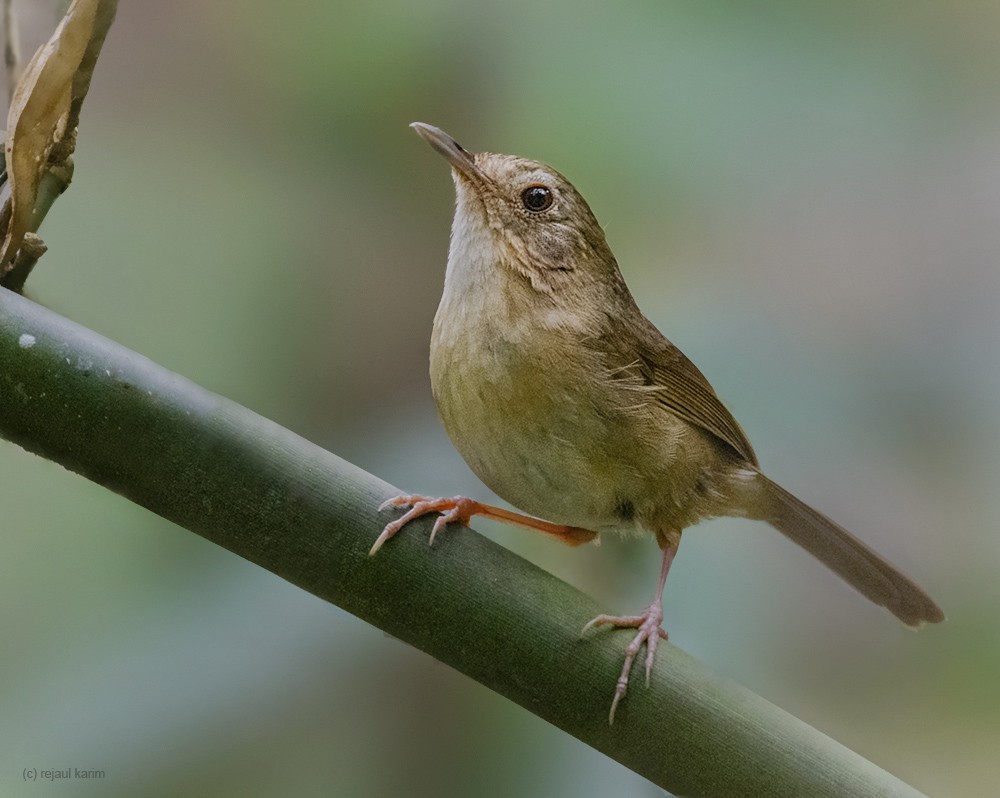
804	197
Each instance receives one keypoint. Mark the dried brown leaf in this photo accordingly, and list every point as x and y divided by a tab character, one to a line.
38	115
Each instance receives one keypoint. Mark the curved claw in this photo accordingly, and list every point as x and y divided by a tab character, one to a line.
461	512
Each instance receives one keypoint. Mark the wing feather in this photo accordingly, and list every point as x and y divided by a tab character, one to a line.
675	382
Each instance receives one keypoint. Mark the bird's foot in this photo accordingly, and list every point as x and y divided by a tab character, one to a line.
460	510
650	633
457	510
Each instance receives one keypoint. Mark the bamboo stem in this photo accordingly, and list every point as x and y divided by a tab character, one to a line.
272	497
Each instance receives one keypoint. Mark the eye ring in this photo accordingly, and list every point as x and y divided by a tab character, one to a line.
537	198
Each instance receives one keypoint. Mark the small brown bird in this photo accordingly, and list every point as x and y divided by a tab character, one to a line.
567	402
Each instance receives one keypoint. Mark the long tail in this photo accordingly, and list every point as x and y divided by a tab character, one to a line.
847	556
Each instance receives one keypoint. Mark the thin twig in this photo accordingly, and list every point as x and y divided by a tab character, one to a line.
53	183
11	49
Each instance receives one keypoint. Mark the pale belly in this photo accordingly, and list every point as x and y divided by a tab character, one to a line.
559	448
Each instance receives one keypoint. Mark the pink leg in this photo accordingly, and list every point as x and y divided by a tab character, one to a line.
460	510
648	624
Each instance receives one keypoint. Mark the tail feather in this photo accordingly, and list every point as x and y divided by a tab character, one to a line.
847	556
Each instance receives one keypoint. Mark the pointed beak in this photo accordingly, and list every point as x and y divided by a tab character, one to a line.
460	159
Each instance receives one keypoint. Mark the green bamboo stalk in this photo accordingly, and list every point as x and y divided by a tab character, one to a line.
272	497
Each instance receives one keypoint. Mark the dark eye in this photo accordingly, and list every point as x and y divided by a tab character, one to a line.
536	198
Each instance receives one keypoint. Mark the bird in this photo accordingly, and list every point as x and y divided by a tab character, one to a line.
568	403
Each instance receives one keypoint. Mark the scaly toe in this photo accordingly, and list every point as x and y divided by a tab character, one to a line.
613	620
404	500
